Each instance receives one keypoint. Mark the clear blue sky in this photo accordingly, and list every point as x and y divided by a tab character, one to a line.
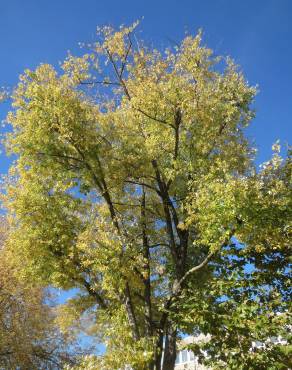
256	33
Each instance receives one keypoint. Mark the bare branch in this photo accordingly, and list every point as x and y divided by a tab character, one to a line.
142	184
118	74
68	157
154	118
126	57
100	83
195	268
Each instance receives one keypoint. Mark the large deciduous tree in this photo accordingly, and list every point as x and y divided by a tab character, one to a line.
135	183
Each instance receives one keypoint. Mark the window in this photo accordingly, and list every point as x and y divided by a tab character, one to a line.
192	356
184	356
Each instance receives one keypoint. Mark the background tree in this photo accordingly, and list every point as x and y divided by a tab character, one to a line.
29	336
135	183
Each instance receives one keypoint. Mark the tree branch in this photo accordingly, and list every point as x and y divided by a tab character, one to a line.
165	202
94	294
178	285
146	255
68	157
100	83
142	184
195	268
117	73
153	118
126	56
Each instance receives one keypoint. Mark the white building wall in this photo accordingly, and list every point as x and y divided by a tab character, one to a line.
186	360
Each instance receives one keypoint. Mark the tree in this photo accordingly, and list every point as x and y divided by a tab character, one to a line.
135	183
29	336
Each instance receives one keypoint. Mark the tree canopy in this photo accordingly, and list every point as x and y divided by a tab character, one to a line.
135	183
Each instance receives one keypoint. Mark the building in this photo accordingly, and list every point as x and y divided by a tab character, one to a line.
186	360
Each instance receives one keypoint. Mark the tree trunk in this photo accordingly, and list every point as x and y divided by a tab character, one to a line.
169	353
158	352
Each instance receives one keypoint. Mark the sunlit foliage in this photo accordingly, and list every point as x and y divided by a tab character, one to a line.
135	182
29	334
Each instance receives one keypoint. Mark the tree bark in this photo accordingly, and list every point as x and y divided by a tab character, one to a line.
169	354
147	272
159	351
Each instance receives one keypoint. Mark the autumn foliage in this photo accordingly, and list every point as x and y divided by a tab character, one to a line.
135	183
